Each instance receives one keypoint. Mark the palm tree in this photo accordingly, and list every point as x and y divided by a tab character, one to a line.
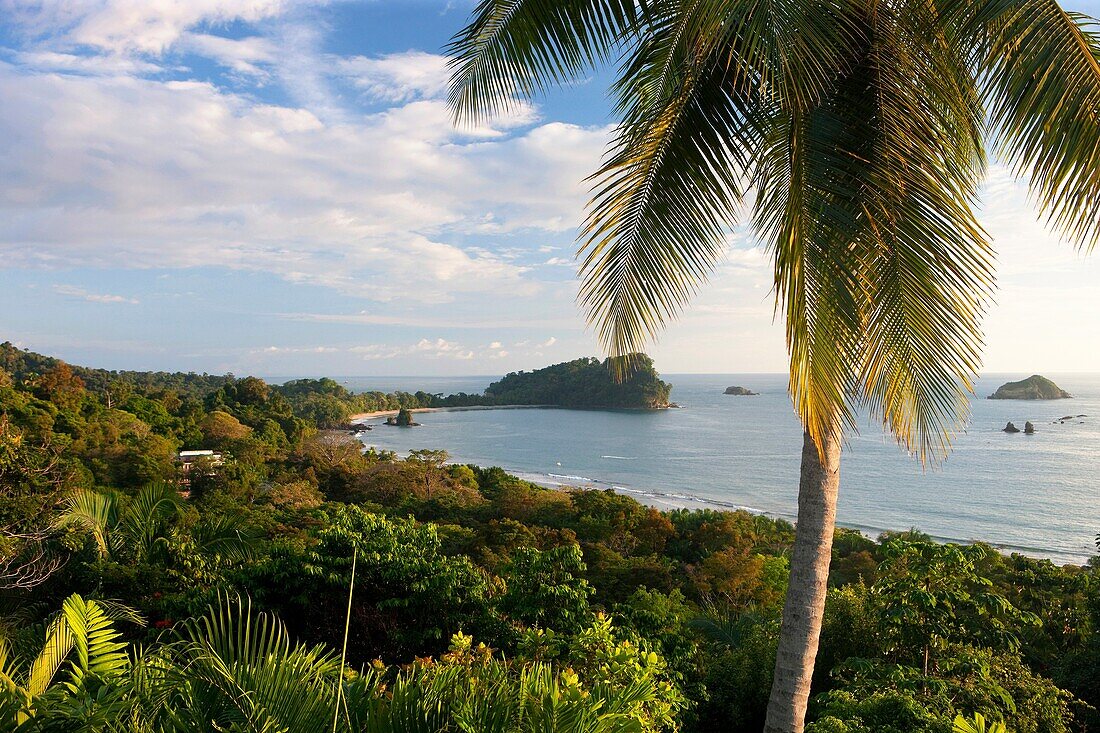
141	527
852	136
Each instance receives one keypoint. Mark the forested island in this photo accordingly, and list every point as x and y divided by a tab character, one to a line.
132	581
585	383
1035	387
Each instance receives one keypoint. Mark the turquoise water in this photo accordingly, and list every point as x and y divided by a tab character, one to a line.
1035	494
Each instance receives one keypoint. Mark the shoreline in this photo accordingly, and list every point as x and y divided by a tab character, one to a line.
458	408
359	417
682	500
669	502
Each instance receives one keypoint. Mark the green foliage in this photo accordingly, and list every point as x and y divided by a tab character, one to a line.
931	639
929	595
82	634
546	589
736	669
874	697
977	724
417	594
594	599
584	383
236	669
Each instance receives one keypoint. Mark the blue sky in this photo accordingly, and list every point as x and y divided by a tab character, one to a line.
274	187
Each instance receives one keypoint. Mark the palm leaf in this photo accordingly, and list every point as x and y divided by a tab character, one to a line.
92	512
696	99
515	48
86	627
227	536
880	264
243	669
1041	66
977	724
142	523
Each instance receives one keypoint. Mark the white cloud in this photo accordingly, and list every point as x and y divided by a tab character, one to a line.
424	348
75	292
133	172
242	55
548	342
131	26
298	350
495	345
78	64
398	77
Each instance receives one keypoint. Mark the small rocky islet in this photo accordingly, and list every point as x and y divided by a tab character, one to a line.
740	392
1035	387
403	419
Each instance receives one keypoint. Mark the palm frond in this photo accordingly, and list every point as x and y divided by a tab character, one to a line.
227	536
95	641
696	97
880	264
243	668
1042	74
86	627
660	208
515	48
59	643
803	183
926	263
142	522
95	513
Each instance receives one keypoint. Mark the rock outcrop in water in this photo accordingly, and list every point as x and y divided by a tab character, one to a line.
1034	387
403	419
1010	428
1029	429
740	391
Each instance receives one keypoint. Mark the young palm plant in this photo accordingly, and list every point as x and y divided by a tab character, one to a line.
140	528
90	692
852	136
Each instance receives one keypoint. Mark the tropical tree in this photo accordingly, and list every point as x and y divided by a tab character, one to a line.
860	129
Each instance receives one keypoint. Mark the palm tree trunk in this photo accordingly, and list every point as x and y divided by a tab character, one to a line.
805	604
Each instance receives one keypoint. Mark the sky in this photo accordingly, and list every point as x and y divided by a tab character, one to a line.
274	187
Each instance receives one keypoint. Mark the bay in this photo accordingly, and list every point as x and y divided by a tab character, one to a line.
1034	494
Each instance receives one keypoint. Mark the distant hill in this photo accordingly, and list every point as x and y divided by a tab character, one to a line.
23	365
1034	387
586	382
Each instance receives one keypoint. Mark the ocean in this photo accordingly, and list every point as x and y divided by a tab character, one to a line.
1033	494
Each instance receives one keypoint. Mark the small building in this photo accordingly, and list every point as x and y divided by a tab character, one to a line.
189	460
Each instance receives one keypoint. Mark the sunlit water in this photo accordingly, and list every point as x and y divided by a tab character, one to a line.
1035	494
